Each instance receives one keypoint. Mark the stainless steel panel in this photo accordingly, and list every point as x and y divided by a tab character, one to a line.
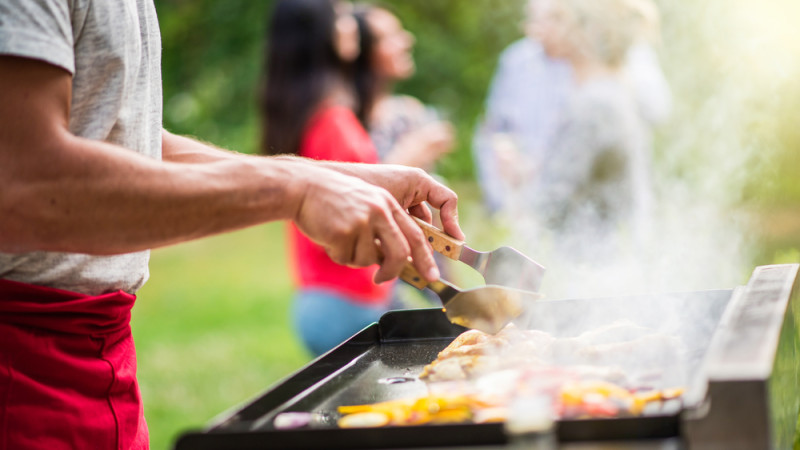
753	396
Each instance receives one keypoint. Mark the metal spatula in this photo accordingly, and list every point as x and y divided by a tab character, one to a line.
504	266
485	308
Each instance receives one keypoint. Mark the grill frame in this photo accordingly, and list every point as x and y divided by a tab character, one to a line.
249	426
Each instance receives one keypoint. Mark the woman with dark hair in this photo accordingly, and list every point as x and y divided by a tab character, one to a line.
402	128
308	107
310	53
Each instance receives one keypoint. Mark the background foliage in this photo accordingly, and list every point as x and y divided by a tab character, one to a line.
213	54
211	324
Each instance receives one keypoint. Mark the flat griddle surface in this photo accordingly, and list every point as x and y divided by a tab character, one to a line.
362	369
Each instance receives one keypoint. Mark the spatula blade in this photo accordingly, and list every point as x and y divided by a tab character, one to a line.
487	308
507	266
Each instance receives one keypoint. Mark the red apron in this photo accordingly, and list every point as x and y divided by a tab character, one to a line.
67	371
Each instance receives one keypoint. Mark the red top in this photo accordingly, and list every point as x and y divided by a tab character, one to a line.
335	134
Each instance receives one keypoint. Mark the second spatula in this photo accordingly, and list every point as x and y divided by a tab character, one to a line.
485	308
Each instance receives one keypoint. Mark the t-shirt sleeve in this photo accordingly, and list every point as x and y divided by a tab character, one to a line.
38	29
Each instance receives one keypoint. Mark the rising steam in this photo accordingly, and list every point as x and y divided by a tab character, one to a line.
727	63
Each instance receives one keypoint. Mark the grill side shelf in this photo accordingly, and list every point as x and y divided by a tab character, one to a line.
745	345
753	395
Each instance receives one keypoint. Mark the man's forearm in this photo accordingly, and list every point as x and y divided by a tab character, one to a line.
93	197
182	149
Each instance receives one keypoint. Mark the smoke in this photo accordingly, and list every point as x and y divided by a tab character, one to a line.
727	64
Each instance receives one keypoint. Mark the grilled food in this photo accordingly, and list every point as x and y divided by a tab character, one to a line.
606	353
607	372
572	400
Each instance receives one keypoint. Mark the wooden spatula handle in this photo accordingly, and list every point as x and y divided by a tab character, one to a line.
412	277
441	241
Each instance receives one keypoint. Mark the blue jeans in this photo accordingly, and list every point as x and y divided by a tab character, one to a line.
325	319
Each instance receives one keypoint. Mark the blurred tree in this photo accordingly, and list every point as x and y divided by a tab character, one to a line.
213	55
211	62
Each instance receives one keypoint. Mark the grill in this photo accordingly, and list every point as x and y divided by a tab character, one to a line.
742	392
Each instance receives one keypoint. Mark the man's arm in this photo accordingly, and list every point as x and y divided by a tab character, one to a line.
61	192
65	193
182	149
410	187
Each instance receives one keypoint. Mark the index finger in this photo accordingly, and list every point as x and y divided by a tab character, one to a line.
426	189
446	201
421	211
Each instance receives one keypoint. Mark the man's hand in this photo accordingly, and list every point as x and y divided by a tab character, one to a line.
410	187
348	214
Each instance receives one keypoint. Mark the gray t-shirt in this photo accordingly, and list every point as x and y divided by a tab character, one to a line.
113	51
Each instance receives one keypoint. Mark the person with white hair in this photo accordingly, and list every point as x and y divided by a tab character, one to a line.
573	164
592	179
529	94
